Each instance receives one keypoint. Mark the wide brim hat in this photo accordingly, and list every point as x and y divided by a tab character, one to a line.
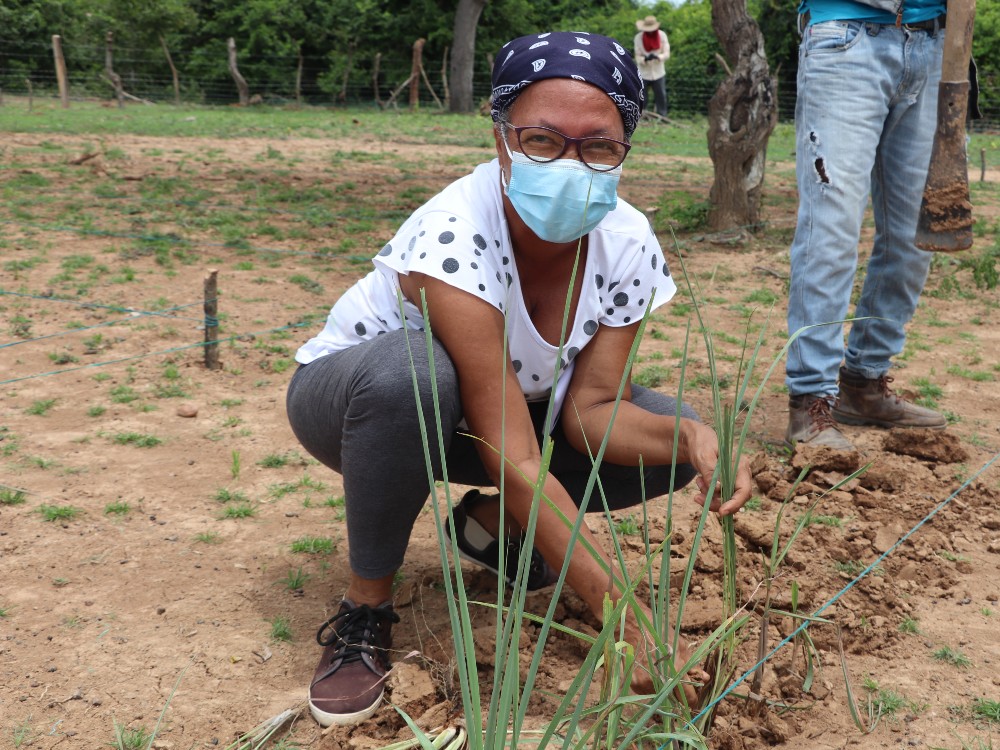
649	23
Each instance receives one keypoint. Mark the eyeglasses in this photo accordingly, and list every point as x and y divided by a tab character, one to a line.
545	144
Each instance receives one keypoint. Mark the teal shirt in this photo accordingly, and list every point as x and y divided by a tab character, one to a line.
914	11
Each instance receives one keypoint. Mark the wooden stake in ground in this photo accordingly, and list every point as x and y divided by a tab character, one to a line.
109	70
31	94
60	61
416	65
298	78
173	71
241	83
378	60
211	320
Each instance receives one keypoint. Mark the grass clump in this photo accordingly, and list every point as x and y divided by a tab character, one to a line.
131	739
224	495
120	508
10	496
41	407
296	579
311	545
983	708
952	656
137	439
281	630
58	512
207	537
239	510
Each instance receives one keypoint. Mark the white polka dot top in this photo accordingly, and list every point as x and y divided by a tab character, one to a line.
460	237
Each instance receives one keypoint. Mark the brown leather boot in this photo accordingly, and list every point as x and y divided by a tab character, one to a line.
865	401
810	423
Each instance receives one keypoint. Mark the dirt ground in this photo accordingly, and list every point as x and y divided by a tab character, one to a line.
151	600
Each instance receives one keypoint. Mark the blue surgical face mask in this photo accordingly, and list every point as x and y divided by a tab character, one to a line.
560	200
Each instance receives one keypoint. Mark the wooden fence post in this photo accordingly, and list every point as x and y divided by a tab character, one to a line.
109	69
57	53
212	320
241	84
173	71
31	95
378	60
416	66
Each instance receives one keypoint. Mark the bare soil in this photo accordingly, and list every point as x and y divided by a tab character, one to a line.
168	607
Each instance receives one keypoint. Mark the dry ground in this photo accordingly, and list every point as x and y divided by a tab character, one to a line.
109	616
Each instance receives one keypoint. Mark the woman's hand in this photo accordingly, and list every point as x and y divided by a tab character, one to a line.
649	661
702	448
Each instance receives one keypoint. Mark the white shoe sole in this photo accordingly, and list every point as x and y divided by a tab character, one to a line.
325	719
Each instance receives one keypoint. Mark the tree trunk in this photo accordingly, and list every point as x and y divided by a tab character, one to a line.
109	69
463	54
241	84
741	116
173	71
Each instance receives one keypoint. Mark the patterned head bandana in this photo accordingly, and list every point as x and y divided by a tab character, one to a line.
594	59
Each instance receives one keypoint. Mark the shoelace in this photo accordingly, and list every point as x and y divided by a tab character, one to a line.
353	631
536	564
883	383
819	412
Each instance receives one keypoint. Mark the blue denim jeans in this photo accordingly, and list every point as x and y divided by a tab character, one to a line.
865	116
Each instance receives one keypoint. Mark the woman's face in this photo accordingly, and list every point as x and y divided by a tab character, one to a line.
574	108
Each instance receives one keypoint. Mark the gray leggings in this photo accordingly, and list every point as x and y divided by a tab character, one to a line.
355	412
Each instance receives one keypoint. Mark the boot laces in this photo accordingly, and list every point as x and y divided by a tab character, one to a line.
887	391
819	413
354	632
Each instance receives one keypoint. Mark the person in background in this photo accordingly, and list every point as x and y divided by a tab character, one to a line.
651	50
865	115
496	255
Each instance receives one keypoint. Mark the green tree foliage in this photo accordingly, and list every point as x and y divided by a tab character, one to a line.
986	49
338	41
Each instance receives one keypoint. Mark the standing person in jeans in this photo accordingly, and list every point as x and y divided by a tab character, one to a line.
651	50
865	117
499	256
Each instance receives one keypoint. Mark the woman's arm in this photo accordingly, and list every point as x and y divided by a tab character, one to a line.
636	432
471	330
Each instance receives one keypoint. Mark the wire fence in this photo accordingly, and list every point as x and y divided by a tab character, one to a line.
325	80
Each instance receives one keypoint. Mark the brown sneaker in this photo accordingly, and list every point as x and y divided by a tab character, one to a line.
865	401
810	423
349	681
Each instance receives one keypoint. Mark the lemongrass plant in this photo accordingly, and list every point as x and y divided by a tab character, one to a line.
617	718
